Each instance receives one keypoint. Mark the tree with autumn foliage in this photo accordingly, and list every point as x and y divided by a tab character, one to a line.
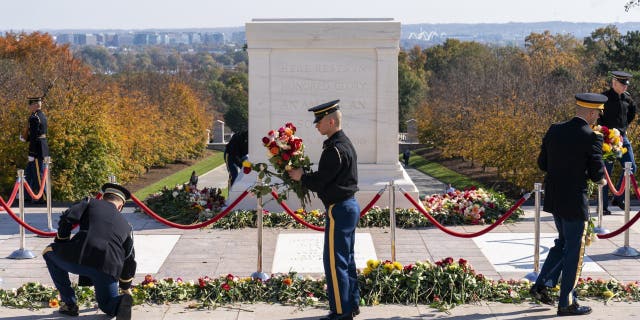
98	125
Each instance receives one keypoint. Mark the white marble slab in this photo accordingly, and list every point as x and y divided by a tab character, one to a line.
513	252
152	250
302	252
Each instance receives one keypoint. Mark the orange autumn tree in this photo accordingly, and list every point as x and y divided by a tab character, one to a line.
98	126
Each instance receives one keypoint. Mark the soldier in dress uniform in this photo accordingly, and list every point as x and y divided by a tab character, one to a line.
36	134
336	183
570	154
235	152
101	252
619	112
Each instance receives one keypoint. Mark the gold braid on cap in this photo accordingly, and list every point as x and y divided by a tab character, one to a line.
590	105
116	192
325	109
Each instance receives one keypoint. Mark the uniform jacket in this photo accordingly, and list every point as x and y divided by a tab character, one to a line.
570	154
38	147
337	177
619	111
103	241
237	148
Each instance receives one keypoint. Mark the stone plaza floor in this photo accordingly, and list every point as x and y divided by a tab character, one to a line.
506	252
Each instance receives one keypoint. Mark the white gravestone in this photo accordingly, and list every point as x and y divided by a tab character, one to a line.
295	64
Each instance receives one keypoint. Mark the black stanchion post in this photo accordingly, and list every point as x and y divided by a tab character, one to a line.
259	212
626	250
21	253
533	276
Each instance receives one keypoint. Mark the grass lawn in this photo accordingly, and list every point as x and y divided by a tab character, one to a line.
442	173
201	167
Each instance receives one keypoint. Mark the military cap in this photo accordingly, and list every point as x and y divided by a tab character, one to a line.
622	77
324	109
591	100
34	100
116	189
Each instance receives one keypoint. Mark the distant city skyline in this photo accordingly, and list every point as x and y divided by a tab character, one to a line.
164	14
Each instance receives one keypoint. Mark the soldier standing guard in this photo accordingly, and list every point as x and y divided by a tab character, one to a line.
336	183
36	134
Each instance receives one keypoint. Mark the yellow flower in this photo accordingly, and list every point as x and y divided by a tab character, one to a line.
366	271
607	294
397	265
556	288
389	267
606	147
624	150
372	264
246	164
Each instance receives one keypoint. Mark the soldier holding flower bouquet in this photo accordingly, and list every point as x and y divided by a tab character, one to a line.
336	183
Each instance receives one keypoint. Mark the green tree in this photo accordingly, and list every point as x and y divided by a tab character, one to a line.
626	53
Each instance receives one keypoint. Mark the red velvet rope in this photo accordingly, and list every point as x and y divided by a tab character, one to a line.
24	224
293	214
634	184
314	227
467	235
39	195
13	195
611	187
621	229
191	226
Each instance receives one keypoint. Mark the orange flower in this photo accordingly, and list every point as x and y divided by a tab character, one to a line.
53	303
287	281
274	150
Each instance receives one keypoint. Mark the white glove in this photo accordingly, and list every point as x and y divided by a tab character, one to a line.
602	182
30	158
22	139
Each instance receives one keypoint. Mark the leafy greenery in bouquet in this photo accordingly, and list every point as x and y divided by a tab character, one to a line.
185	204
441	284
612	148
285	151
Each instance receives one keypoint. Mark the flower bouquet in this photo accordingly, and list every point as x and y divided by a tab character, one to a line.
612	145
285	151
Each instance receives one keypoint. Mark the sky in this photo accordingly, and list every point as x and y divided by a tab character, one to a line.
18	15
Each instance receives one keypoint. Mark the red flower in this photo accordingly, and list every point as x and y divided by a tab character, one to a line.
287	281
448	260
462	262
230	277
225	286
286	156
201	282
246	170
290	126
265	140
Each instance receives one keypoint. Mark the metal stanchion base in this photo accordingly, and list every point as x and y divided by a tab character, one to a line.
22	254
600	230
626	252
260	275
532	276
47	230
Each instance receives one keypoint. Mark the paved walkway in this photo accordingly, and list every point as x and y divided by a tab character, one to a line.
506	252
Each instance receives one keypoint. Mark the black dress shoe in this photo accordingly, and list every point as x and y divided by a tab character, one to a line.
69	309
606	212
541	294
574	310
335	316
355	311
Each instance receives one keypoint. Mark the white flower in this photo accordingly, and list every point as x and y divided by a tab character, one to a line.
174	194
